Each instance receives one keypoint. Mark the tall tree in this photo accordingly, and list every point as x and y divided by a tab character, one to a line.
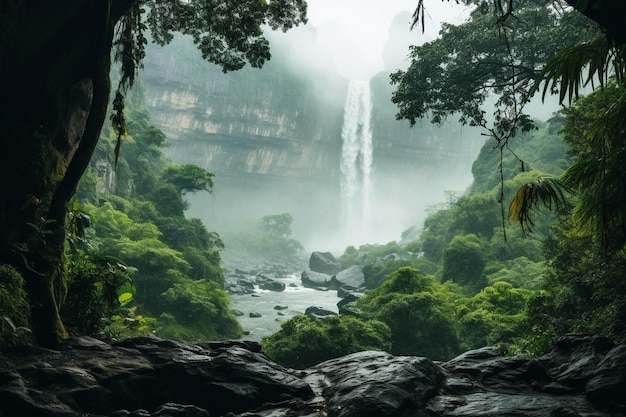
510	49
55	62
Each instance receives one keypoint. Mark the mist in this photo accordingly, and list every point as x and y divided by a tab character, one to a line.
411	168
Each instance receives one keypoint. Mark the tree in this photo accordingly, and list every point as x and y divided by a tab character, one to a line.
513	48
278	225
607	13
54	75
188	178
495	315
483	58
464	261
419	312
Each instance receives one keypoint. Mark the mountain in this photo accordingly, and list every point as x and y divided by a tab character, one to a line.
273	137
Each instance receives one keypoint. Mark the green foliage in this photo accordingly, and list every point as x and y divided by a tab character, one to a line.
596	60
202	307
496	315
175	261
167	201
520	272
14	309
595	129
94	285
463	262
302	342
541	150
480	58
127	323
228	34
188	178
584	288
278	225
419	312
270	237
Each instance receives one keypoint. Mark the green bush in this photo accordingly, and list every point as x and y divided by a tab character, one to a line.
14	309
418	311
302	342
202	307
496	315
94	285
464	261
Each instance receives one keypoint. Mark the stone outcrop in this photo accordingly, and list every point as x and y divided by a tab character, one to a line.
150	377
317	280
324	262
352	277
273	138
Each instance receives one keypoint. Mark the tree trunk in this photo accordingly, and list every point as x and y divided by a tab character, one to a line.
54	78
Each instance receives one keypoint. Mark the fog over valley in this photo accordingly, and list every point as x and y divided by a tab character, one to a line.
313	134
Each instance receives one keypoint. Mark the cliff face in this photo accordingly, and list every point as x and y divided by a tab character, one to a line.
273	137
269	122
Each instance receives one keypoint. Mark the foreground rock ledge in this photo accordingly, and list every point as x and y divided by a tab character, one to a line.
582	376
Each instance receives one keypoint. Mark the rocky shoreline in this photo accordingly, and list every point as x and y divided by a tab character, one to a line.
583	376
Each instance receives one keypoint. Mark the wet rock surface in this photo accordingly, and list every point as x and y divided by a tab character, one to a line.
582	376
324	262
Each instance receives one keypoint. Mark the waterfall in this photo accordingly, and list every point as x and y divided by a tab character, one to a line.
356	162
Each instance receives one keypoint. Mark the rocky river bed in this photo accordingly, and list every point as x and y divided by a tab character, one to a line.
264	294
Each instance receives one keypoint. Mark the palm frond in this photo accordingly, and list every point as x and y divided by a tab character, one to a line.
546	192
578	65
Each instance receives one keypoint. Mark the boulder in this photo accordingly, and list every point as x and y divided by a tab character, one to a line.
348	299
152	377
352	277
87	377
271	285
345	290
318	312
315	280
324	262
607	384
376	384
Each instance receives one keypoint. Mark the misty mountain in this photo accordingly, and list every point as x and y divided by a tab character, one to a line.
273	137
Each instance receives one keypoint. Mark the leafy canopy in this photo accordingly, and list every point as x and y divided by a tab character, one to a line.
479	59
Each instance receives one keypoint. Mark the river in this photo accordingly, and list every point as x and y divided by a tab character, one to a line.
296	298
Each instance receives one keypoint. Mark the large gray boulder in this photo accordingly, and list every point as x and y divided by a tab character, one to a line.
324	262
583	376
315	312
376	384
353	277
315	280
88	377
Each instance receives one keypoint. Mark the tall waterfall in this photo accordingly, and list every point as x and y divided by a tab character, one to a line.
356	162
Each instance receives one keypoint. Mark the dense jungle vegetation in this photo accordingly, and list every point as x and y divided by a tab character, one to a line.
117	257
476	275
460	286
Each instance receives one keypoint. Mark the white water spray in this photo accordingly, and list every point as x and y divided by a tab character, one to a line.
356	163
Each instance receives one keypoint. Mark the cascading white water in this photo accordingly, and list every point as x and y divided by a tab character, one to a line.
356	162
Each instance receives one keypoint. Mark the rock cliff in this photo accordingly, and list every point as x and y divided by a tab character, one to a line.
583	376
273	137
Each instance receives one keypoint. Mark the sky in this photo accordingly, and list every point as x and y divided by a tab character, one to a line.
355	32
